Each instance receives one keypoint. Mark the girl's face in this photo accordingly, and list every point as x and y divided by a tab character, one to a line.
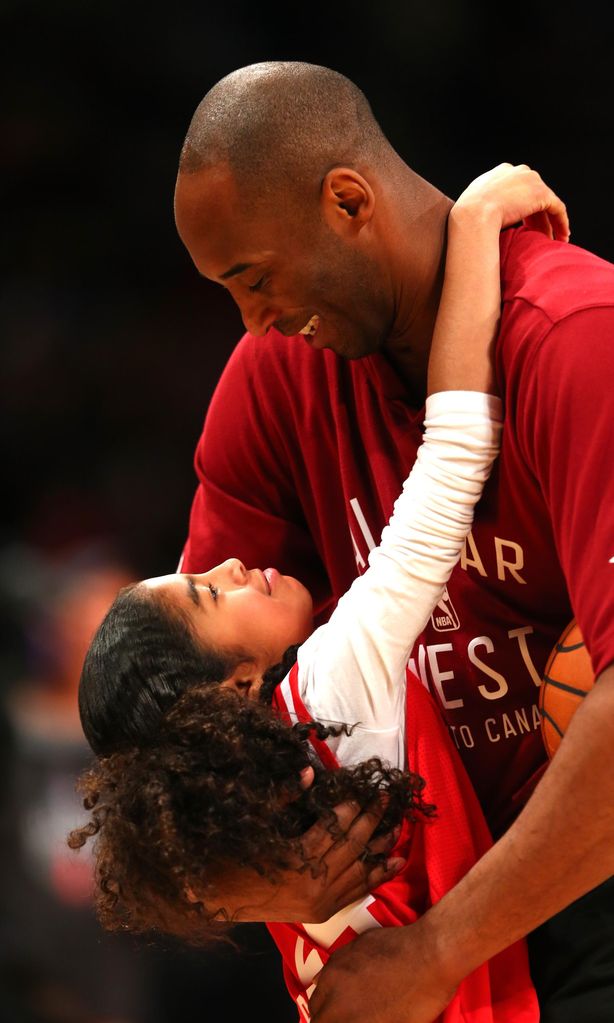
234	608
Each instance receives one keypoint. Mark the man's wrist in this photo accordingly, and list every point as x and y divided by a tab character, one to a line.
442	950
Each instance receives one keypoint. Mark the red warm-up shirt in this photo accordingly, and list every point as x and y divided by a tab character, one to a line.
303	455
438	853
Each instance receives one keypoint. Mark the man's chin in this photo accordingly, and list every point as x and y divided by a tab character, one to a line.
358	348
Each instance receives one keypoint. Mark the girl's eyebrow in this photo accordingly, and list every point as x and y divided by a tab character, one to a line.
192	591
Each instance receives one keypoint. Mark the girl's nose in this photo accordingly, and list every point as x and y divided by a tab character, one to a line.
237	571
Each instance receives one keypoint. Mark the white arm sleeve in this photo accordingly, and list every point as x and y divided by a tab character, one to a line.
352	669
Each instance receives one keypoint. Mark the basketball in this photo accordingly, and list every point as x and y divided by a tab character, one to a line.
568	677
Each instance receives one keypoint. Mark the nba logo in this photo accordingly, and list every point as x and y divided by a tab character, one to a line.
444	618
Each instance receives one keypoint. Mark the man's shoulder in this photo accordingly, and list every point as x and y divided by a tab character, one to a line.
552	280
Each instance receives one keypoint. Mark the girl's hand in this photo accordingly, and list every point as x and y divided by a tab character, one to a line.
509	194
461	354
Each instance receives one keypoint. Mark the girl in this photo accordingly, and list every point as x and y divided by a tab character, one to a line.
201	794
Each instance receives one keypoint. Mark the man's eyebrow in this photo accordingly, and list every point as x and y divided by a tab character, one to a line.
238	268
192	591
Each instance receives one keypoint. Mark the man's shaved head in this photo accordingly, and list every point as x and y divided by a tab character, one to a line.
282	123
290	195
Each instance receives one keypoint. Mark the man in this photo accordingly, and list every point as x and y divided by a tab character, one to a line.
290	196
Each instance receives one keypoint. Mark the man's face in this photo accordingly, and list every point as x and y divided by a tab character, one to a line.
284	265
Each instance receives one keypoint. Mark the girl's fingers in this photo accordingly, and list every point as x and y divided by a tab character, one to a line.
539	222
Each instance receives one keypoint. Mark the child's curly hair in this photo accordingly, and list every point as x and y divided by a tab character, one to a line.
219	788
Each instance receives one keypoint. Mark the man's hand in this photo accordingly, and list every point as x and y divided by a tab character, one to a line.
384	976
408	974
338	875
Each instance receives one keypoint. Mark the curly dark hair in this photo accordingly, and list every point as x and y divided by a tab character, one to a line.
219	789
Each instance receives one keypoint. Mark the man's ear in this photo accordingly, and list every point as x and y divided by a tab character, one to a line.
348	201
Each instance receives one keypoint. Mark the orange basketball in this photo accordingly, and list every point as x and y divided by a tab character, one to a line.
567	679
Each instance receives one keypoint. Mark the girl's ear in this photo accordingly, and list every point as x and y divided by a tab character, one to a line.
244	677
307	775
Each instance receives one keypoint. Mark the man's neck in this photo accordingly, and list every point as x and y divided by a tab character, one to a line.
418	265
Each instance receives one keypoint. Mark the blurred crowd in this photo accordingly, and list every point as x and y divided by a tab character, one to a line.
56	965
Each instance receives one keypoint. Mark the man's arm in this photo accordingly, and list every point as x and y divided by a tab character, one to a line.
560	847
562	844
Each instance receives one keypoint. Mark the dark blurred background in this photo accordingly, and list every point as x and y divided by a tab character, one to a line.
111	345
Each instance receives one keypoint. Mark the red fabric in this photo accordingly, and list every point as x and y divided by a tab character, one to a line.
559	377
439	852
303	455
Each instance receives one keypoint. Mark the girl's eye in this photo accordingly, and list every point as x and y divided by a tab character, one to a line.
213	590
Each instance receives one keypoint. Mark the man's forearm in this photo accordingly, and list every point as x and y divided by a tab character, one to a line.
560	847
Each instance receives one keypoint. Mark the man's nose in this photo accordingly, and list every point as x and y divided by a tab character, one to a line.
258	315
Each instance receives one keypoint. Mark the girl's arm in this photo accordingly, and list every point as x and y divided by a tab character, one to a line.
470	306
353	669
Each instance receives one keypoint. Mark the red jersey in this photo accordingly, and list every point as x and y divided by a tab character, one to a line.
438	853
303	455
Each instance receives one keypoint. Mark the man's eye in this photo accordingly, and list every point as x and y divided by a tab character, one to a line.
213	590
259	284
